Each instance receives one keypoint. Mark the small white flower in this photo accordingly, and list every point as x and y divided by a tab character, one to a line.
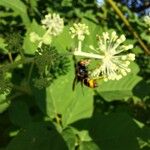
53	23
113	65
34	37
79	30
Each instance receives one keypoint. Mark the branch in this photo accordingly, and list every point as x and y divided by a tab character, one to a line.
130	28
15	64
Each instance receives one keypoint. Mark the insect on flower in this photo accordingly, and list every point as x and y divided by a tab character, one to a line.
82	75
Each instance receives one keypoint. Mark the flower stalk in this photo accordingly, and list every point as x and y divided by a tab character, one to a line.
88	55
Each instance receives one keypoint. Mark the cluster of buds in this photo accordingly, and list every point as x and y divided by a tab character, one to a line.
53	25
113	63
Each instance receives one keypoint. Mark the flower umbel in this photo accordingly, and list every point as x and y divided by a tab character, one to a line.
53	23
113	65
79	30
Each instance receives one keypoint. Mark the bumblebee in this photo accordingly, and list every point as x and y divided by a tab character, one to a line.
82	76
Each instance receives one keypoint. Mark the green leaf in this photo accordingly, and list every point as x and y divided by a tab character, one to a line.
3	46
37	136
94	29
84	136
4	103
19	8
60	99
66	3
119	90
19	113
115	131
88	146
144	138
28	46
63	41
33	4
145	36
142	89
70	138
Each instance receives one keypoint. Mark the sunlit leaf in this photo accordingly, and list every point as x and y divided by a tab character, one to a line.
94	29
63	41
59	99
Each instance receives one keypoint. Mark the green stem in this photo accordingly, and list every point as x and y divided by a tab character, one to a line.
22	89
22	54
14	96
30	72
130	28
10	57
46	33
79	46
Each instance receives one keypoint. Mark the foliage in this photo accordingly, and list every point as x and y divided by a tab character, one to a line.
38	108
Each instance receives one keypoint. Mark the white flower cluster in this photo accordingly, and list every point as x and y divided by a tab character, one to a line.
79	30
53	24
113	64
147	21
